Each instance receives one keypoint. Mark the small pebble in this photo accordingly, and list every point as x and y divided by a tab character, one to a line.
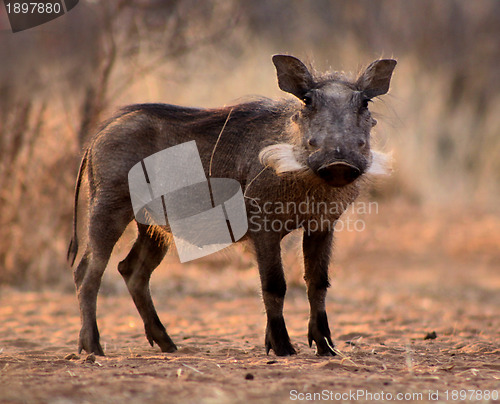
249	376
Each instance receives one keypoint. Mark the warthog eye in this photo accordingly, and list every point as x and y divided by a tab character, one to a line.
307	99
312	142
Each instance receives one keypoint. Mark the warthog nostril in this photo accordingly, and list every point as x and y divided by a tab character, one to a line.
339	173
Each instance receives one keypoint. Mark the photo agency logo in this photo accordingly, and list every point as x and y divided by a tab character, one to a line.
28	14
204	215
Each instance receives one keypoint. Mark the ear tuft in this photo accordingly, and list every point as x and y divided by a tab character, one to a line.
293	75
375	80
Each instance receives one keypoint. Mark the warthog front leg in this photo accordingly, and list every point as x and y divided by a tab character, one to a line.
317	249
268	252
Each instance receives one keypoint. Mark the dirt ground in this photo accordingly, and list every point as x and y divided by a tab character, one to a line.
410	274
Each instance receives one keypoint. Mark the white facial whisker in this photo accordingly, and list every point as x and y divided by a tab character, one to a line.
381	164
281	158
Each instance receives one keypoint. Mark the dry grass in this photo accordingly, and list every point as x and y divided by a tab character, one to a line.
437	120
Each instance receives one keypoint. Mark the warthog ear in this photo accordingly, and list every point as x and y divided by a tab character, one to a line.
376	78
293	75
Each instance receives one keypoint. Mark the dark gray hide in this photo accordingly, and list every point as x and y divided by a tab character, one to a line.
315	147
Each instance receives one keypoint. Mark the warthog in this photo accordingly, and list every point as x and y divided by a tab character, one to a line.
315	147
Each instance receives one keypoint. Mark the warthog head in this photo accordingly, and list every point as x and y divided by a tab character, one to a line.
329	134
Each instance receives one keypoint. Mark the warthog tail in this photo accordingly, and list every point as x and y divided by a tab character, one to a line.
73	244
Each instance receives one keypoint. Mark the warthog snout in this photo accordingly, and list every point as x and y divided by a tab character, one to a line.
339	173
338	166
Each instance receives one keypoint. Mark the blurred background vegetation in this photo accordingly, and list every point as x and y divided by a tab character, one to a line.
59	80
